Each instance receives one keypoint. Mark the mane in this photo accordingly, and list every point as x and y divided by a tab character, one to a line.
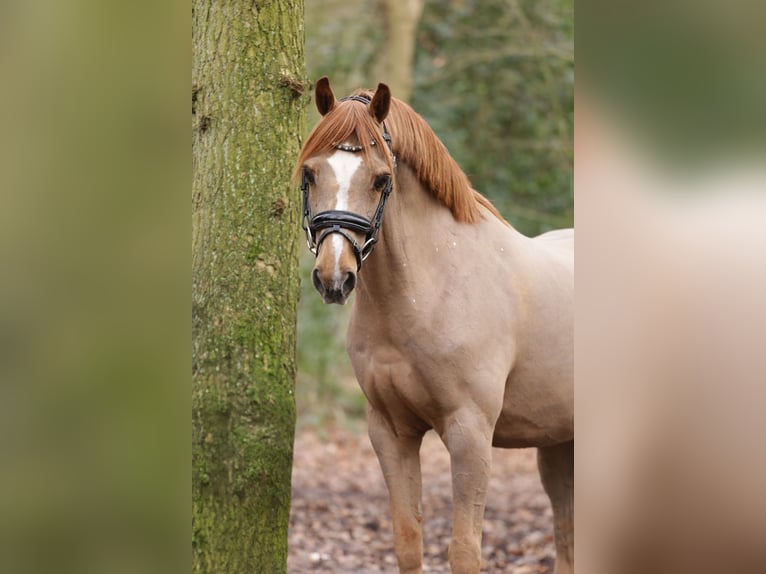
413	142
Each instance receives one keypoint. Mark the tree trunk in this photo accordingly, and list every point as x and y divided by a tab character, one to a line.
395	59
247	110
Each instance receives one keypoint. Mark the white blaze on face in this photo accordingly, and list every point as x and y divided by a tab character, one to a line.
344	165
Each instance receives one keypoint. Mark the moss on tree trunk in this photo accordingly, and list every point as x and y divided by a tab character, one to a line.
247	110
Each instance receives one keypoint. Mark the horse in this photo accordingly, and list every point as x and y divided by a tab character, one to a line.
460	324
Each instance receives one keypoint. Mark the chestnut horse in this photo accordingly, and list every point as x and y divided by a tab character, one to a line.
460	323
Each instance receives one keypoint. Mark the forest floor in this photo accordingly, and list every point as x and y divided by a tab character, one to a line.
340	520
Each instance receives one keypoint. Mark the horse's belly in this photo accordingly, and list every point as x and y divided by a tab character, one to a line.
535	415
518	432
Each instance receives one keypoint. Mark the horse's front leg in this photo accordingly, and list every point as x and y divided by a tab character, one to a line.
468	438
399	457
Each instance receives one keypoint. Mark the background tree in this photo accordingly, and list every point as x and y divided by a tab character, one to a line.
395	56
247	115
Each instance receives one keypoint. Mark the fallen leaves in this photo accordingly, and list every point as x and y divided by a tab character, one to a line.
340	519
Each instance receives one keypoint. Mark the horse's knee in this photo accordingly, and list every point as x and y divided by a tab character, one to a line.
464	556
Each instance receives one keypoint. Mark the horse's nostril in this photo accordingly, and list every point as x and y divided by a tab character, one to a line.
317	281
349	283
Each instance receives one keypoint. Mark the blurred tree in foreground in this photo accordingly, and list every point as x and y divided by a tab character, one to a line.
247	113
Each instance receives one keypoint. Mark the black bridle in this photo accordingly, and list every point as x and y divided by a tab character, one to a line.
337	221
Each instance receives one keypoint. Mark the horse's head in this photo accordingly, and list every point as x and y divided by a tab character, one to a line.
346	173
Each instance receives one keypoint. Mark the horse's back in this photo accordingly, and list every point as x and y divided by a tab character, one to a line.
559	242
558	238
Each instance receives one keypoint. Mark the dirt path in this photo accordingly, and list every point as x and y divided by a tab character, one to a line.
340	517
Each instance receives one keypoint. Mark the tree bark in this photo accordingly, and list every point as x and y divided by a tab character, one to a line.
247	113
395	60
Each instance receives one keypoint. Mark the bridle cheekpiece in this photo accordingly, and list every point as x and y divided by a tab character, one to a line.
341	222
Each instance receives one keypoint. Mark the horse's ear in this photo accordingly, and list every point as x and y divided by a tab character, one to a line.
380	103
324	97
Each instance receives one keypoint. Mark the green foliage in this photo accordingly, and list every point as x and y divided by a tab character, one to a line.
495	80
342	37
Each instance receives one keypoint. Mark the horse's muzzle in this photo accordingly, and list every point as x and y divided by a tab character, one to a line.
335	290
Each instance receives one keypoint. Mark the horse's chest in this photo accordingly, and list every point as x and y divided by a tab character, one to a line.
393	384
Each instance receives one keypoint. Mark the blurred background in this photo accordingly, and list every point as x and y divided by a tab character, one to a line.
495	80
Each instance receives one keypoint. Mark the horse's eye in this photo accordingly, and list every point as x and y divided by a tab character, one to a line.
381	181
309	175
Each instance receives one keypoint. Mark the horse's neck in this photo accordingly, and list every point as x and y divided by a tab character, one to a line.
415	226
